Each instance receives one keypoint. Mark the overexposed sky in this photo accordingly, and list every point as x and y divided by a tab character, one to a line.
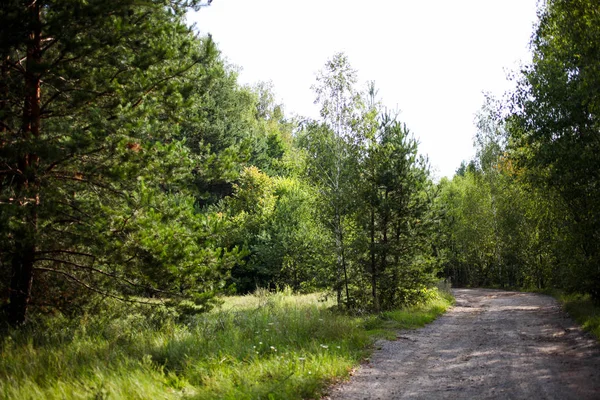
432	59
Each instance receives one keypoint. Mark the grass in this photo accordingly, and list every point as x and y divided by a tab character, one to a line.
583	310
265	346
386	324
580	307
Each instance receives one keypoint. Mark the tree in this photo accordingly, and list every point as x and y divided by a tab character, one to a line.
554	126
275	220
395	183
88	151
500	227
331	151
229	127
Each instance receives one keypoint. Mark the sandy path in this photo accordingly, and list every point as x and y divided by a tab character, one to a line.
491	345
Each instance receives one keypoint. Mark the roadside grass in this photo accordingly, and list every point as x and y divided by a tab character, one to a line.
264	346
386	324
579	306
583	310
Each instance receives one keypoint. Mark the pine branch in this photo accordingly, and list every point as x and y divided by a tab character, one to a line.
72	155
91	288
107	274
165	79
76	253
94	183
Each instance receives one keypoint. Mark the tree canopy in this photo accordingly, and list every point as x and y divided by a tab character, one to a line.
525	212
134	165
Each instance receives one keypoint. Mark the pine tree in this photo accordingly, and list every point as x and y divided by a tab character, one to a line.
89	117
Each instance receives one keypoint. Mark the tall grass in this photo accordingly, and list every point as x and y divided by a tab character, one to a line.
579	306
583	310
435	302
264	346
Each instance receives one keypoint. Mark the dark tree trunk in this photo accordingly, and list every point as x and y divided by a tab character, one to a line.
26	183
384	250
342	269
345	268
373	261
4	75
21	281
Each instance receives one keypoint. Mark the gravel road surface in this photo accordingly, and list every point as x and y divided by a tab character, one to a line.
492	345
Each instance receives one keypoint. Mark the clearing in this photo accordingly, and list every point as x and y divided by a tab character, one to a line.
492	345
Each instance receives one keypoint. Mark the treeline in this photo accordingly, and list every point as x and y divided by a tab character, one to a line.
120	130
133	165
526	211
350	214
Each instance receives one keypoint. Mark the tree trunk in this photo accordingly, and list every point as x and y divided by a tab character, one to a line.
4	75
384	248
344	267
26	181
373	261
21	280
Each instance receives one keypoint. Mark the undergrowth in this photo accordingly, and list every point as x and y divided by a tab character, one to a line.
583	310
386	324
265	346
579	306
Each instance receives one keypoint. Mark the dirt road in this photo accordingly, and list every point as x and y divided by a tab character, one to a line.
491	345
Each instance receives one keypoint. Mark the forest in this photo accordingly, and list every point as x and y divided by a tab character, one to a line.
138	175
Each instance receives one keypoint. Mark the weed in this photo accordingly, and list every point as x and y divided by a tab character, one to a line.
271	345
583	310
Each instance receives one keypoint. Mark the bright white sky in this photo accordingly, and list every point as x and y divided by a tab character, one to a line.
431	59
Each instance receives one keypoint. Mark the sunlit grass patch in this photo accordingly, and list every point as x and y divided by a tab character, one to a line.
272	345
387	323
263	297
279	346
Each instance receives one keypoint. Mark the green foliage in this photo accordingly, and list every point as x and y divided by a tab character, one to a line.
231	127
497	230
275	220
397	193
433	303
375	195
136	168
163	175
584	310
332	147
96	186
524	213
501	228
553	125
